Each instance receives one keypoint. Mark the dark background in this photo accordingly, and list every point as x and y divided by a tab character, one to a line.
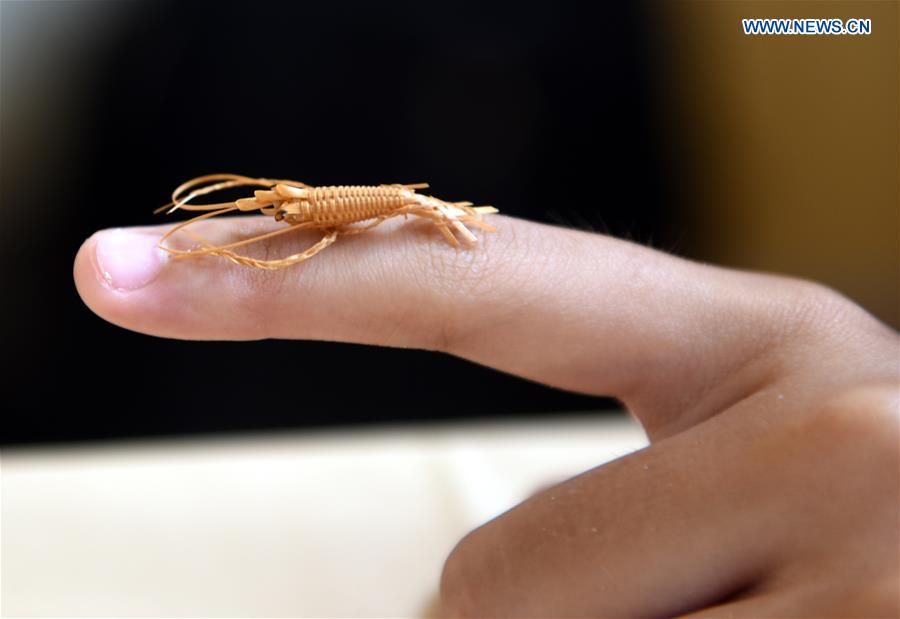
549	112
658	122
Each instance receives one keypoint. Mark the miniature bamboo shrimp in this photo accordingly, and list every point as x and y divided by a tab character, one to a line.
334	210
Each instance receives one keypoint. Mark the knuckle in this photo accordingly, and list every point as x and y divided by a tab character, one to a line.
838	459
816	330
818	309
859	429
882	595
486	278
462	271
855	595
867	414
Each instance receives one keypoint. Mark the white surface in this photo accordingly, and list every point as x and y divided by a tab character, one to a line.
289	524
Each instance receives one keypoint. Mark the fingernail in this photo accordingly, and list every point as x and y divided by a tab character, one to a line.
128	260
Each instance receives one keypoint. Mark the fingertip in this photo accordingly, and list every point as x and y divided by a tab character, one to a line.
123	277
110	265
89	281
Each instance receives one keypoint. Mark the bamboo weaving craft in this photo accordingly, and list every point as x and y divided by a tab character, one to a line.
335	210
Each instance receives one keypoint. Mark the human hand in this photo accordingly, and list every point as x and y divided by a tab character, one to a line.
770	487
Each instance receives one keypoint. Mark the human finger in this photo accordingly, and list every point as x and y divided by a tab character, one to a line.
739	510
655	533
575	310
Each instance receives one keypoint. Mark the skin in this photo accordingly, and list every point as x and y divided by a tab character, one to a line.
770	487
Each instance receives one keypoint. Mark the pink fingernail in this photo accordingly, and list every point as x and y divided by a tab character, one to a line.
128	260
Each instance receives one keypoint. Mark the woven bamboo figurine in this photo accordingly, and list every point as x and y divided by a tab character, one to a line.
336	210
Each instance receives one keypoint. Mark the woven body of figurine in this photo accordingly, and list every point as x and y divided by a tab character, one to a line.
336	211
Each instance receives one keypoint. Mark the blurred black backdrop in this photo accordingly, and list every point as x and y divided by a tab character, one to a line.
544	110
